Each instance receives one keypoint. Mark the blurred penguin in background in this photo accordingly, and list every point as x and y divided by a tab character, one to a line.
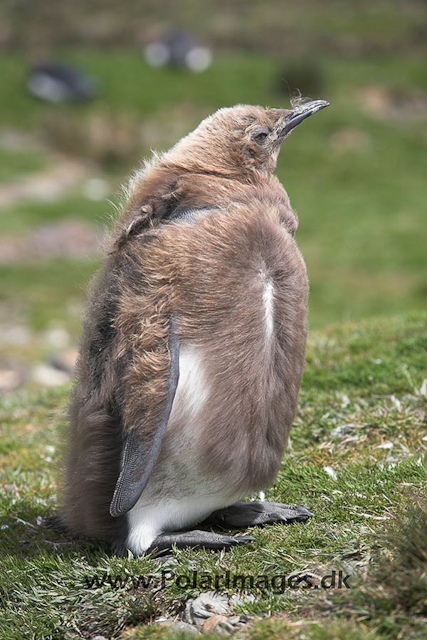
58	82
179	50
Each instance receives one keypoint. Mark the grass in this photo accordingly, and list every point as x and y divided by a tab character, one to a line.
29	215
365	378
355	177
363	26
61	285
17	162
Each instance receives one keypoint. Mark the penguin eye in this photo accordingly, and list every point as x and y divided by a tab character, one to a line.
261	135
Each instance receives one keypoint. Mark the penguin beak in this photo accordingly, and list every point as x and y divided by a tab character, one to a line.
296	116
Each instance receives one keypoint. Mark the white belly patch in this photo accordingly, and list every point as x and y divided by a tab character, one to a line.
268	302
178	494
192	390
146	522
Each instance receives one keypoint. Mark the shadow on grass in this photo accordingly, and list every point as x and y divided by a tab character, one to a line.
21	538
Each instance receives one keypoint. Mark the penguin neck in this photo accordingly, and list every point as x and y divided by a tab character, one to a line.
185	160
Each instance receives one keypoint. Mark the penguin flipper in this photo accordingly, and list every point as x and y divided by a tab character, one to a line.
138	457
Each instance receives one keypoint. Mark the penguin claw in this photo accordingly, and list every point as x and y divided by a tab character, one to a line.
196	540
241	540
250	514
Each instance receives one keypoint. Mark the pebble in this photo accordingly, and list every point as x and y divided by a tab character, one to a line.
340	431
10	379
217	623
177	625
57	338
331	472
206	605
208	612
49	376
96	189
17	335
165	560
65	361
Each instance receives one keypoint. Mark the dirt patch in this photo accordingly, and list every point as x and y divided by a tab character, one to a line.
395	103
66	239
47	186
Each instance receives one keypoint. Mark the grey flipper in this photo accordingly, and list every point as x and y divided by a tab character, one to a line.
139	458
196	540
250	514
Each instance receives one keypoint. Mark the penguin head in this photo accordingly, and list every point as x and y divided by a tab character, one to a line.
241	139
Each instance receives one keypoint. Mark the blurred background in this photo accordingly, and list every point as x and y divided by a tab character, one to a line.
89	88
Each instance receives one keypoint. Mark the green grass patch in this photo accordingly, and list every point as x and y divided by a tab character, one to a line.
362	412
27	215
15	163
47	291
355	177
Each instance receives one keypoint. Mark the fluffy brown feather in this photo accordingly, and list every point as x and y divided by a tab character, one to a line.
210	272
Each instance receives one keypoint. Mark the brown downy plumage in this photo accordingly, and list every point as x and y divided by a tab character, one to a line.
193	342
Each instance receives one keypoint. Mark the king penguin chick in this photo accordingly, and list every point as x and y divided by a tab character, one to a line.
193	345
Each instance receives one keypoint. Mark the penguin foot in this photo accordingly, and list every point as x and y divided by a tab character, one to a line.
196	540
250	514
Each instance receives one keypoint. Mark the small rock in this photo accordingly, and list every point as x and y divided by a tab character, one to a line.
385	445
165	560
396	403
244	619
212	603
331	472
58	338
188	615
177	625
66	361
217	623
340	431
15	335
206	605
345	401
10	379
49	376
96	189
99	638
242	599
